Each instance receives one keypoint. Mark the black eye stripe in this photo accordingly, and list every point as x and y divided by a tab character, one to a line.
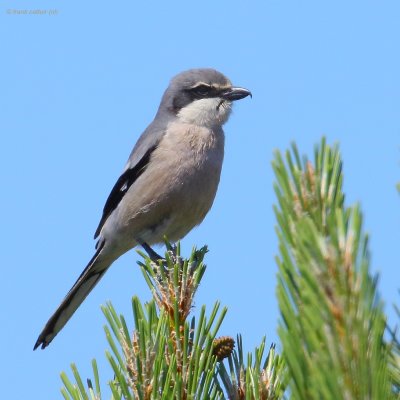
203	90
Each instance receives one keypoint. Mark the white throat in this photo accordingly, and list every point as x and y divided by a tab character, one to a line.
206	112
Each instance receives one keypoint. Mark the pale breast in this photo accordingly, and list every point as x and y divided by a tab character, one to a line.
178	187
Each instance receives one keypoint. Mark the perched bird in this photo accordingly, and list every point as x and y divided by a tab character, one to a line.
168	184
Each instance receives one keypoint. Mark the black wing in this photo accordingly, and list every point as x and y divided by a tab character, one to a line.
121	187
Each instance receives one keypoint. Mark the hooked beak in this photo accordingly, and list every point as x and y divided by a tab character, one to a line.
236	93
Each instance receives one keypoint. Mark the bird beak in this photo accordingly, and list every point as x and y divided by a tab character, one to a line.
235	93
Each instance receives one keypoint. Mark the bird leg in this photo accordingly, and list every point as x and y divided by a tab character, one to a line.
154	256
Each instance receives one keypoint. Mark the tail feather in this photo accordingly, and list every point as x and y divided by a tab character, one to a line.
82	287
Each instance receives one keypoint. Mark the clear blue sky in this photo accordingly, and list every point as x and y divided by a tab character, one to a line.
77	89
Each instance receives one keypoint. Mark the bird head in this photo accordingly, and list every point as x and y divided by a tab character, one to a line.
201	97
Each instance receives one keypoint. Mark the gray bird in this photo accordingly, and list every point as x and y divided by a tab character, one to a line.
168	184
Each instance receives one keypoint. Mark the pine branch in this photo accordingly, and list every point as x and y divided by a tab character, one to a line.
169	357
166	357
332	321
263	379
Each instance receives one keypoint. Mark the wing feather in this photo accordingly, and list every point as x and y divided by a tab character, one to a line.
122	185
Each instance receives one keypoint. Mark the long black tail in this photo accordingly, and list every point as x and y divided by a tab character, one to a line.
91	275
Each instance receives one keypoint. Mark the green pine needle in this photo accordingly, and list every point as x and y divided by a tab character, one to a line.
332	321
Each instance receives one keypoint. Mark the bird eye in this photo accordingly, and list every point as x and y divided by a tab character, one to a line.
201	90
